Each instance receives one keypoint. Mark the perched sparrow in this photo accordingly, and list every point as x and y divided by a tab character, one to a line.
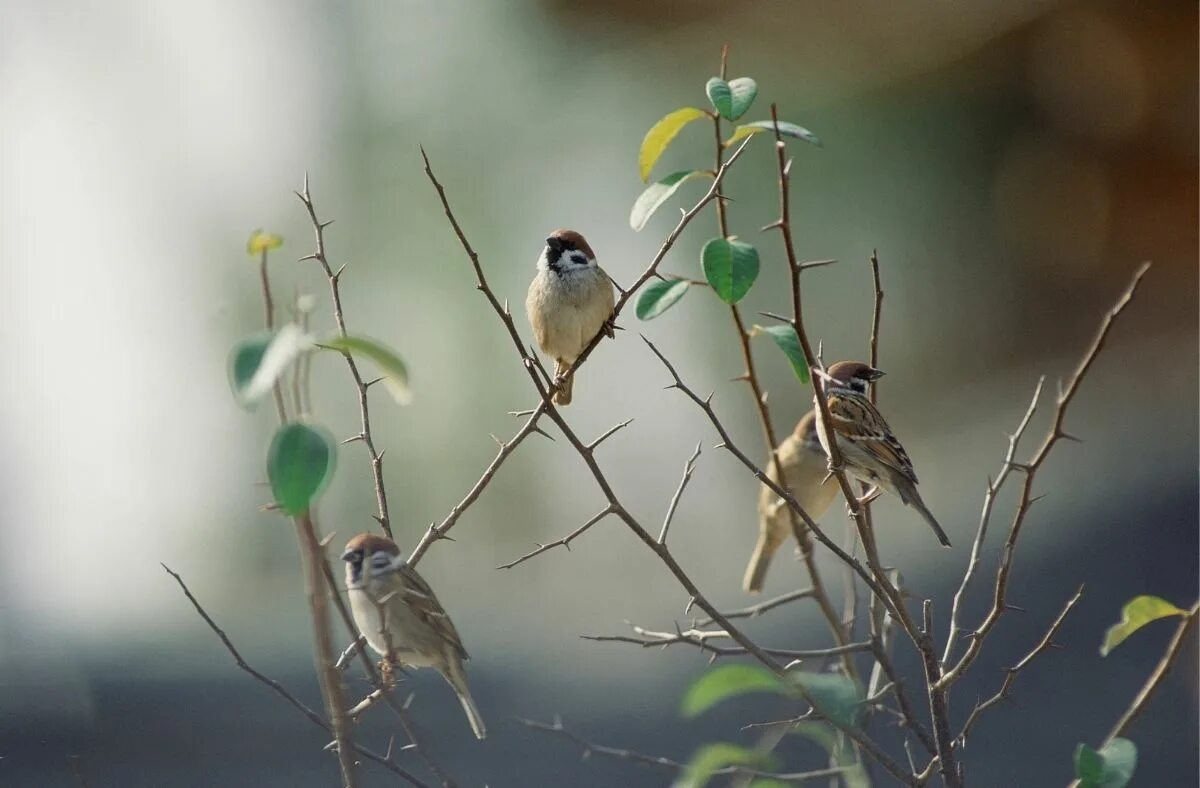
400	617
806	470
869	450
569	302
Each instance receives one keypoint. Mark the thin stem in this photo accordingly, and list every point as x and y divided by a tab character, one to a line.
360	384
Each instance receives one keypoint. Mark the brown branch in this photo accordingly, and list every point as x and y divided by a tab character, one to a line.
564	542
1055	433
436	532
688	468
360	384
754	611
655	760
989	500
280	690
1011	674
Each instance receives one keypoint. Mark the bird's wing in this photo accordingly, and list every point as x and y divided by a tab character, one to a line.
425	605
856	419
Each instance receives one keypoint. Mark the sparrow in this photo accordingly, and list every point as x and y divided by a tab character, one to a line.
805	469
569	302
869	449
401	618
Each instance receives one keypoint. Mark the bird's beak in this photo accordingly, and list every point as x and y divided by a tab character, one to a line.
876	374
554	244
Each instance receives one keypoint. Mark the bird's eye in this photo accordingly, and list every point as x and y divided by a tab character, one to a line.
578	259
380	561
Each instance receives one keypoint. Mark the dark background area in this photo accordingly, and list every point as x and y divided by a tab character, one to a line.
1012	163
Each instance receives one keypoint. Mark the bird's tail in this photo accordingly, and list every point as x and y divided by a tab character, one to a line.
457	679
756	570
914	500
563	395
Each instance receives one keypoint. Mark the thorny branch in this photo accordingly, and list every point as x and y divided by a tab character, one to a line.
700	638
360	384
1055	433
1010	674
281	691
654	760
688	468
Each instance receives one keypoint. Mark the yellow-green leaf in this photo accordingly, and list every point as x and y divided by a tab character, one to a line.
389	363
1137	613
261	241
659	192
786	129
660	135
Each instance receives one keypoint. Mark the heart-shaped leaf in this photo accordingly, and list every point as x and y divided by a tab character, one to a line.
389	363
712	757
1136	613
786	129
731	99
260	242
658	297
728	681
256	364
730	267
1112	766
299	464
659	192
660	135
787	341
839	697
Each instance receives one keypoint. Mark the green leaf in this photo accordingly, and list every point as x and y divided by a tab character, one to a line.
729	681
659	192
244	361
257	363
660	135
1137	613
731	99
393	369
299	464
730	267
1110	767
260	242
839	697
787	341
785	128
712	757
658	297
842	754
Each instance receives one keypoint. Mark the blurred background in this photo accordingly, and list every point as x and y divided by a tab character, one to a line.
1012	163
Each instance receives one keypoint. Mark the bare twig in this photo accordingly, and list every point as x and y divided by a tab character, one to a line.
281	691
989	500
360	384
1055	433
655	760
700	638
762	607
1011	674
438	531
564	542
688	468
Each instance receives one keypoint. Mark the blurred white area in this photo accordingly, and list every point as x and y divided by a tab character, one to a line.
142	143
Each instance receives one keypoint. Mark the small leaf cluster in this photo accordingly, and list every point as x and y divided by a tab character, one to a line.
302	457
839	699
730	266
